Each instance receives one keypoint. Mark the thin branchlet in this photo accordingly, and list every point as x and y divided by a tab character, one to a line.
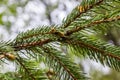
27	71
35	34
59	61
84	10
105	53
36	43
69	32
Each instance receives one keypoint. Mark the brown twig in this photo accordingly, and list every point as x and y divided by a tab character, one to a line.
36	43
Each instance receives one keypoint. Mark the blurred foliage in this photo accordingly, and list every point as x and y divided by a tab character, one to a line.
9	9
113	75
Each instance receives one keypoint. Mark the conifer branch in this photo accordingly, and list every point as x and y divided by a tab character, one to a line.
69	32
40	31
94	51
102	51
62	62
82	9
40	41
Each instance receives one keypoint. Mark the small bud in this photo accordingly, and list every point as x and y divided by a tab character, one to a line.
81	8
50	74
10	56
52	30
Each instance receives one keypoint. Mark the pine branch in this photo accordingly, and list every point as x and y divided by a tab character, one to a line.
69	32
103	52
83	17
43	30
83	8
95	15
95	49
62	65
